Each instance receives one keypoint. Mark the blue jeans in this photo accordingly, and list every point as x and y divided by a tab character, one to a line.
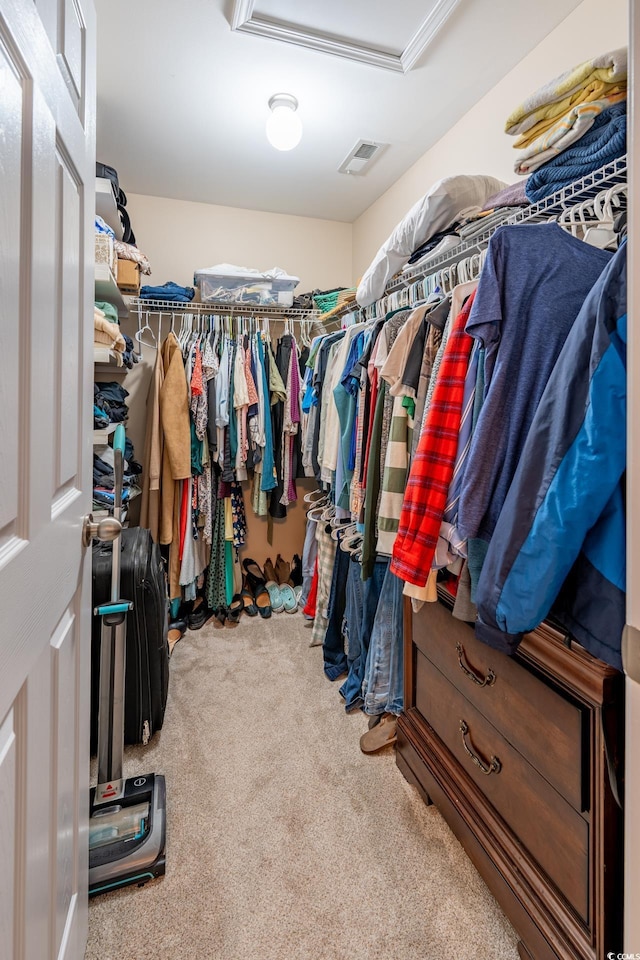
366	595
384	674
335	660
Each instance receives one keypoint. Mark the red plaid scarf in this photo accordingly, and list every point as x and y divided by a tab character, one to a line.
432	469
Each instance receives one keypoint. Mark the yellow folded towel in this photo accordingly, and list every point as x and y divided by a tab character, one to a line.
596	93
564	132
610	68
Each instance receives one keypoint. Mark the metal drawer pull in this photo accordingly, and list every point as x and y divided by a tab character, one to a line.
481	681
494	766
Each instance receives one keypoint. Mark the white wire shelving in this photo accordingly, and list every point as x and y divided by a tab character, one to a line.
140	306
405	289
571	195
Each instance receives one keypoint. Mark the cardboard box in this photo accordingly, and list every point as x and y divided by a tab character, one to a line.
129	277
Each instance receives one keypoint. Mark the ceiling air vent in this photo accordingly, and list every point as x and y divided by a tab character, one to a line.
361	157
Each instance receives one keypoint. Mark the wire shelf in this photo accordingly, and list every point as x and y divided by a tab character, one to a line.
577	192
221	309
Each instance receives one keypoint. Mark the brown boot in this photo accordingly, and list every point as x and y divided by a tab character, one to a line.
270	571
283	570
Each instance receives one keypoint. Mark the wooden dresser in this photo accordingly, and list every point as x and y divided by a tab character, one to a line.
513	752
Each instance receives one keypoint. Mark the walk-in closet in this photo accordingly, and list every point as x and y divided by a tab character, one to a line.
318	489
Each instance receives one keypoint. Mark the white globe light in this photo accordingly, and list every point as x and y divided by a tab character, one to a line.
284	127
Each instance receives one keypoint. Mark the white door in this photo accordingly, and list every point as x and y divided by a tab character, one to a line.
47	146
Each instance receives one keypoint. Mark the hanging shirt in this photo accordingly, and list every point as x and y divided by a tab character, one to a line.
533	284
566	500
432	467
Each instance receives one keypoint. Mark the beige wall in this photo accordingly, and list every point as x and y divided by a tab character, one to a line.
179	237
477	142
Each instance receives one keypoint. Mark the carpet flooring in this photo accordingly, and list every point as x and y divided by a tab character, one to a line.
284	841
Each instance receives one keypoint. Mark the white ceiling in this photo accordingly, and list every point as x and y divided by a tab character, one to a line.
182	100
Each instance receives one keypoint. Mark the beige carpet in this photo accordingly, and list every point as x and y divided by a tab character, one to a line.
285	842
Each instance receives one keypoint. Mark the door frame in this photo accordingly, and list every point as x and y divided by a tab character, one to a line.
632	636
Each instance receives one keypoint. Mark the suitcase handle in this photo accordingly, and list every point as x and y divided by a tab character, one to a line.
119	439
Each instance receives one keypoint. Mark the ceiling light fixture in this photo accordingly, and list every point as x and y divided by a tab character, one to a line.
284	127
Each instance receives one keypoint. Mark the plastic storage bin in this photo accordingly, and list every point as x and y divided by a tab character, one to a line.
249	288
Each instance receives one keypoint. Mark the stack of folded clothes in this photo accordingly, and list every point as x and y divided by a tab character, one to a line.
325	300
107	333
171	292
572	125
340	299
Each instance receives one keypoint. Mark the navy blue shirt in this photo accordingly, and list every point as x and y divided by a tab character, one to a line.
533	284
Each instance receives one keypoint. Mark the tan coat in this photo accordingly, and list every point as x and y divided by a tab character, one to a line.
152	460
167	453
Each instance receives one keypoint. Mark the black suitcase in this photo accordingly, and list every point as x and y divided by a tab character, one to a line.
142	580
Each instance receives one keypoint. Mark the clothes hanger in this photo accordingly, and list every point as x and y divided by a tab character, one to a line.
341	529
602	234
142	330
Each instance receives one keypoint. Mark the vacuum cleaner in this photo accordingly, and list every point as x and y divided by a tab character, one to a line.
127	825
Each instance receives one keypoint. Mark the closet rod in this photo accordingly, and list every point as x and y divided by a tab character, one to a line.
254	310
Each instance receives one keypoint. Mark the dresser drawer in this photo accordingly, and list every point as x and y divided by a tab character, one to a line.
555	835
512	698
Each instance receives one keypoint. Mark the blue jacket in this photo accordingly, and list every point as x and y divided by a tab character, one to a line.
560	538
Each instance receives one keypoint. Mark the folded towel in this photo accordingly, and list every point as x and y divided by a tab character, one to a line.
107	310
608	68
511	196
168	291
108	334
564	132
604	142
591	94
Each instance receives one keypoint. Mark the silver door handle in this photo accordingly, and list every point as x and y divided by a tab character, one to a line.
106	529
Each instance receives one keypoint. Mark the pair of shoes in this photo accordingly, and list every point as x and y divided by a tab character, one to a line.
199	616
175	632
381	735
257	587
280	573
282	597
